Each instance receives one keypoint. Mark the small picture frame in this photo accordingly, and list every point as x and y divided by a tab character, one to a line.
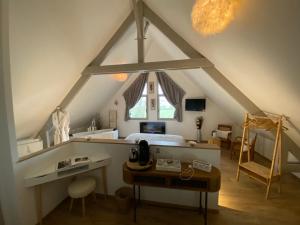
152	104
151	87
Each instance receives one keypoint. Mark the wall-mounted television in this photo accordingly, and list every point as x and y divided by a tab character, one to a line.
195	104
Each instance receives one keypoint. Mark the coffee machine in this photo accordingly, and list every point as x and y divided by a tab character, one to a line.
140	154
144	153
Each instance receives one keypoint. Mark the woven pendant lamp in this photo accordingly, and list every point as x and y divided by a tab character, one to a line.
213	16
120	77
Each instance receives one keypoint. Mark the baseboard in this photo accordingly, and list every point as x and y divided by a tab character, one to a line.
163	204
176	206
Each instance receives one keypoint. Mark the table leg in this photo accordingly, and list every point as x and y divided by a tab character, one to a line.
39	210
200	203
139	194
83	206
104	181
134	204
205	214
71	204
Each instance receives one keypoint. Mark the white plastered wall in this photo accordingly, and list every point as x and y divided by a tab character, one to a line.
8	200
53	193
213	115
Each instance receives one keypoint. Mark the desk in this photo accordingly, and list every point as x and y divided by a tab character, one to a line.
201	181
49	174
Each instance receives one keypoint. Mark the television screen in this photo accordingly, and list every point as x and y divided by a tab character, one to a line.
153	127
195	104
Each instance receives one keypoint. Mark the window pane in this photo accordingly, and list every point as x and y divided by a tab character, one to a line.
145	90
139	111
160	92
166	110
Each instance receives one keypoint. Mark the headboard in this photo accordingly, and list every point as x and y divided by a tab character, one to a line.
224	127
153	127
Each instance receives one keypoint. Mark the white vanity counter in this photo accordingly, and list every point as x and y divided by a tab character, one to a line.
46	173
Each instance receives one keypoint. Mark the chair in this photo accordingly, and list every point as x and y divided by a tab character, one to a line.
81	188
236	147
224	134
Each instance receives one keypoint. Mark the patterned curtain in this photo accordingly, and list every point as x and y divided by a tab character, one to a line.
133	94
173	93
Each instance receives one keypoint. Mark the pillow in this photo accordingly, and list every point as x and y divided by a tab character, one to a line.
223	134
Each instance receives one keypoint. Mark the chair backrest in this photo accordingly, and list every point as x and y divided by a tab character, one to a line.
252	147
224	127
252	144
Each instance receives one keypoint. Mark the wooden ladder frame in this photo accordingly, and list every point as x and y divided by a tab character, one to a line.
255	170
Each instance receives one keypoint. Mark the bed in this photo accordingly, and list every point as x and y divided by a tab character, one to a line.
155	133
155	138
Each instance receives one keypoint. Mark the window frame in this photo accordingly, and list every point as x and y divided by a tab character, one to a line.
158	104
147	102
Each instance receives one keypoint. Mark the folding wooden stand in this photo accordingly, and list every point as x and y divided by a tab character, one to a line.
259	172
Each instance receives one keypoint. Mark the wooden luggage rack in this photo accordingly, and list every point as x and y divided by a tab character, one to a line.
253	169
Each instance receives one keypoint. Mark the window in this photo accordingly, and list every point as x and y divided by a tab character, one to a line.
165	109
139	111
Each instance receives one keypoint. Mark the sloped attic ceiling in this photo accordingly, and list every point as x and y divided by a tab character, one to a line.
99	89
258	53
211	89
51	42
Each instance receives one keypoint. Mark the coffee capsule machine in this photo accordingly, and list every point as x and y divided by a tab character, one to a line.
144	153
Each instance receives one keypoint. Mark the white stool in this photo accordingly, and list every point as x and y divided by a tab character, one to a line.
80	188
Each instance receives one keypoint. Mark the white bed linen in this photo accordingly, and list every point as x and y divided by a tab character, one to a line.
152	138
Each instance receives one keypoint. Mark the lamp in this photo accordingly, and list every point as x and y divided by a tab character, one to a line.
213	16
120	76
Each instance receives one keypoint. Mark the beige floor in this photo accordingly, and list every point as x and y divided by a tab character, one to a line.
240	203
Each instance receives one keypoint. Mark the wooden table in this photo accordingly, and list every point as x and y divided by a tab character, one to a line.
201	181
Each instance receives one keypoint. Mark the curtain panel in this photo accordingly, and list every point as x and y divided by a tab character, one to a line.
173	93
133	94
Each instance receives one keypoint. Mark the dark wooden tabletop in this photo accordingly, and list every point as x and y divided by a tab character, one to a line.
175	180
